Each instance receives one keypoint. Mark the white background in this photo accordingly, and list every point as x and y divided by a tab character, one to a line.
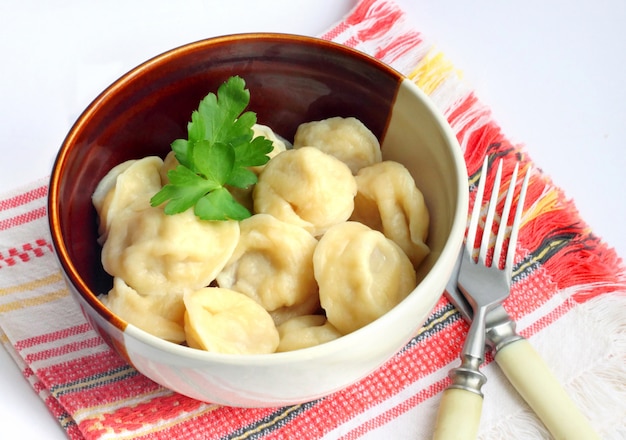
552	72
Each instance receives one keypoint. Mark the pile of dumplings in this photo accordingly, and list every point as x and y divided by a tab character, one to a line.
333	243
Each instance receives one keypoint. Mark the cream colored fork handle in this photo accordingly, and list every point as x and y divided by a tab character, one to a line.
459	415
534	381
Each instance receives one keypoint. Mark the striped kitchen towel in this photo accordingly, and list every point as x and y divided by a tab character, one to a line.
568	296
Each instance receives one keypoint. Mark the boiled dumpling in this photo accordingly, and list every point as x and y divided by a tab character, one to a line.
161	254
305	331
279	143
169	163
388	201
284	314
348	139
361	275
272	264
224	321
306	187
159	315
107	184
130	183
244	195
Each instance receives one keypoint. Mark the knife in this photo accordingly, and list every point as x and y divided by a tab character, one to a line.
525	369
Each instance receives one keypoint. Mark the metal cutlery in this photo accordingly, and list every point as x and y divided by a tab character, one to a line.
485	285
521	364
527	372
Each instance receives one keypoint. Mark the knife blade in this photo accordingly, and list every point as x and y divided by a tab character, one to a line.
525	369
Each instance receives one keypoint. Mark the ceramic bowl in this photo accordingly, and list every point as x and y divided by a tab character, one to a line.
292	79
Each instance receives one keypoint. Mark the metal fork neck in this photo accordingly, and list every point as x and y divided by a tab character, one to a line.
476	337
501	334
468	376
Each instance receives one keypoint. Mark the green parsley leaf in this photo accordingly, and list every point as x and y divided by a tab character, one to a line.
242	178
218	151
220	205
214	162
183	191
254	153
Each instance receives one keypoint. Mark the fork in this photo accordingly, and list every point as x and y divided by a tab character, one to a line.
486	285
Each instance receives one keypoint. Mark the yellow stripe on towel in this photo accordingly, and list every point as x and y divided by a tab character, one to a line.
431	71
32	285
30	302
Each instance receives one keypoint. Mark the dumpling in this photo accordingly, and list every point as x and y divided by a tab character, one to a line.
306	187
126	184
155	253
361	275
272	264
284	314
161	254
169	163
107	184
348	139
159	315
388	201
305	331
224	321
279	143
244	195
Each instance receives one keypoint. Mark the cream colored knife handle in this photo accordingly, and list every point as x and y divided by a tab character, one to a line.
459	415
534	381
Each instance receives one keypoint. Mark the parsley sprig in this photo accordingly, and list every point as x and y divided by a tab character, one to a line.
218	152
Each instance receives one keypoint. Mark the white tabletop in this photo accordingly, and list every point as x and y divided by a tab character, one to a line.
552	73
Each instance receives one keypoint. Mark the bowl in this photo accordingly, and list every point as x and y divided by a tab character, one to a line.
292	79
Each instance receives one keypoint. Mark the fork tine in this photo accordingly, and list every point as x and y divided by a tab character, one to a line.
470	240
508	266
493	202
504	218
